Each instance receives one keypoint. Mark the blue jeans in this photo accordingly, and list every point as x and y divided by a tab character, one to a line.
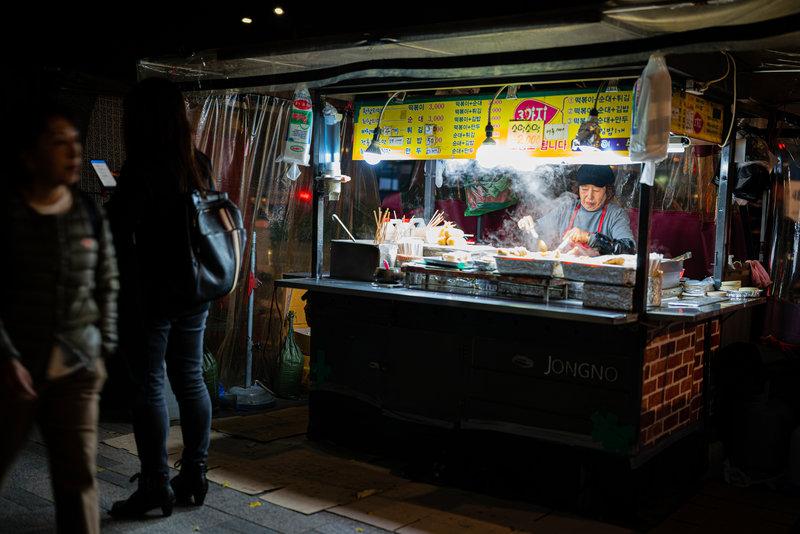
176	340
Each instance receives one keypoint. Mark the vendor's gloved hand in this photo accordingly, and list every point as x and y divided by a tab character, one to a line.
577	235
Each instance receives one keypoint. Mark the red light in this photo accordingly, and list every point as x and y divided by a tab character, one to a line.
304	195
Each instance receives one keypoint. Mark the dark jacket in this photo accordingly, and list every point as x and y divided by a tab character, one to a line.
148	220
60	285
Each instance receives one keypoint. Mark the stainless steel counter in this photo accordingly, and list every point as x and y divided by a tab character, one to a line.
572	310
665	313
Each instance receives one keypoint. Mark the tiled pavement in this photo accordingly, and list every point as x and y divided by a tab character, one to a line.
26	504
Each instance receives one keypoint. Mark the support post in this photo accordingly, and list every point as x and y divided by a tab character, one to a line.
727	169
429	201
642	248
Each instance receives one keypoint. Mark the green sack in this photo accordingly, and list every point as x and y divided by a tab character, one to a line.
289	377
211	376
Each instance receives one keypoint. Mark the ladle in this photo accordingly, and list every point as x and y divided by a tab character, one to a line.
337	219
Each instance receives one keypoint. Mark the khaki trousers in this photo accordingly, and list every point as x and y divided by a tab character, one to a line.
66	413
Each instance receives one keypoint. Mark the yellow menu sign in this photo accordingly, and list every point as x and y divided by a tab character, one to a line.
696	117
535	124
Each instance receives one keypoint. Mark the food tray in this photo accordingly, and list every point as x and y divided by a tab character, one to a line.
512	265
616	275
743	293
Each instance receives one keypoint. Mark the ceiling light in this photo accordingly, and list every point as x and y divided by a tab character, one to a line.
247	20
278	10
372	154
588	136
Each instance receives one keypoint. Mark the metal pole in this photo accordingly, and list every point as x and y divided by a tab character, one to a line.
430	190
248	378
727	168
642	248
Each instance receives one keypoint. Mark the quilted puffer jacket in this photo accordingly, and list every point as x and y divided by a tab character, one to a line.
59	285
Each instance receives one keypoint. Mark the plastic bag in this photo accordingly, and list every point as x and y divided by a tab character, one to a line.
752	175
489	193
211	376
289	377
652	111
297	150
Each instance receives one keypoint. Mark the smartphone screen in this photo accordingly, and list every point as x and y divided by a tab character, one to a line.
104	173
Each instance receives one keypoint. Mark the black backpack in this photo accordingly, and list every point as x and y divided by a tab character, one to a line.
212	259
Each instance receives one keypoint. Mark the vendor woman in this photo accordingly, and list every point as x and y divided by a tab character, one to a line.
594	220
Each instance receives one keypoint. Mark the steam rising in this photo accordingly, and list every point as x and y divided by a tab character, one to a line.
538	190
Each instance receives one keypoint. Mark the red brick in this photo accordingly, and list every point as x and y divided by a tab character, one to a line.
680	372
683	343
671	422
667	349
685	415
687	386
673	390
647	419
648	387
651	353
657	367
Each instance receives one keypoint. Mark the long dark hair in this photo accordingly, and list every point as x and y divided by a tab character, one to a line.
156	126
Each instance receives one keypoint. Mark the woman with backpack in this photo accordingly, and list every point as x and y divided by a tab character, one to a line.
160	329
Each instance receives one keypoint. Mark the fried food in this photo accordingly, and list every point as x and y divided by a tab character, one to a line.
515	251
615	261
542	246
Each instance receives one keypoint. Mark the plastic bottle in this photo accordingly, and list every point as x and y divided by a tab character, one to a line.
298	135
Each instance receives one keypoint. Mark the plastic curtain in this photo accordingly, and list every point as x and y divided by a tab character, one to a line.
244	135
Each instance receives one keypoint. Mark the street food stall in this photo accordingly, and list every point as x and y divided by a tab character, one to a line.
431	325
482	333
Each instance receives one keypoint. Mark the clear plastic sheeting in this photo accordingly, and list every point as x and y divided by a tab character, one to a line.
672	191
784	226
243	134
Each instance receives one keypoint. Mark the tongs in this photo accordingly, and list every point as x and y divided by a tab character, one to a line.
684	256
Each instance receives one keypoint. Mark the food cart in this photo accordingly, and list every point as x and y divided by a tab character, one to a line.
454	359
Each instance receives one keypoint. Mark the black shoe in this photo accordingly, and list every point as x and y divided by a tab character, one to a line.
190	483
154	492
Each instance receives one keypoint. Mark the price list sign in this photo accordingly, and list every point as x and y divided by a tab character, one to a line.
696	117
537	125
442	129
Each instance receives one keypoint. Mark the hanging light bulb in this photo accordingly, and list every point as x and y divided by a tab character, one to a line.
489	154
372	155
588	136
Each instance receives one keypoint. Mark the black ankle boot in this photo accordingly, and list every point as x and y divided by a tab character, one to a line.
190	483
154	492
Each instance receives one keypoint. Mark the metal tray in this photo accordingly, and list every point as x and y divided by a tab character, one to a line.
511	265
743	294
605	274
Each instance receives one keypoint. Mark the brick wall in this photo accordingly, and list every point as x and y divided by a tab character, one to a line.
672	379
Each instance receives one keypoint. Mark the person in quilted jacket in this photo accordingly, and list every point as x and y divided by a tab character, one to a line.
57	311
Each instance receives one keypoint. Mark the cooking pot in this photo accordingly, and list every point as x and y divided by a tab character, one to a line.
354	260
